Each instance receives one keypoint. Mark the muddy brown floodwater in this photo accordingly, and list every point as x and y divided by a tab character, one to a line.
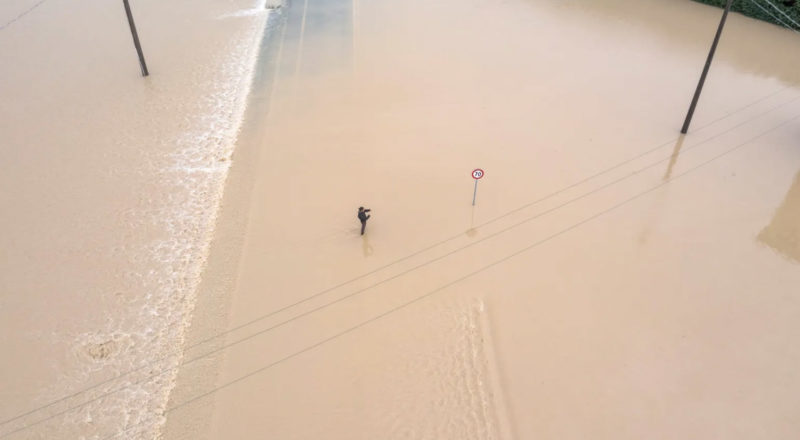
613	281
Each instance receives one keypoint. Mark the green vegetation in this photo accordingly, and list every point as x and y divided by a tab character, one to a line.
767	10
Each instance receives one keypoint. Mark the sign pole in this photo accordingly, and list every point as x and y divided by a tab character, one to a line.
477	174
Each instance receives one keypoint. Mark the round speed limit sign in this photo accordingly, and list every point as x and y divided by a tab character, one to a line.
477	173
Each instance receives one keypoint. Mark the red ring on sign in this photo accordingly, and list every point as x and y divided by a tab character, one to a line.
477	174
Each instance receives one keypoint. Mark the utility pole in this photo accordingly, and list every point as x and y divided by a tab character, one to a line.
705	69
135	38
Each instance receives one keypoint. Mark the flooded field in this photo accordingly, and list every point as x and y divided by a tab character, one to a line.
613	280
109	190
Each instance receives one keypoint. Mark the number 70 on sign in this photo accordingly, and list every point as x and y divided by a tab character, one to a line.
477	174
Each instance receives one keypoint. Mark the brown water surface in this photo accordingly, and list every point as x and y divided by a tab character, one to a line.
613	281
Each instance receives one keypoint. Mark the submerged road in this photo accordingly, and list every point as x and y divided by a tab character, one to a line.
615	280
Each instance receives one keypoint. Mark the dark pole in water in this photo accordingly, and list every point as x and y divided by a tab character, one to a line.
135	38
705	69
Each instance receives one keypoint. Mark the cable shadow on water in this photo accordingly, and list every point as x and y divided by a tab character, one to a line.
22	15
466	276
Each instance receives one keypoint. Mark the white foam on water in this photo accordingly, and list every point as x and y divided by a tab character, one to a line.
261	8
449	374
140	350
199	169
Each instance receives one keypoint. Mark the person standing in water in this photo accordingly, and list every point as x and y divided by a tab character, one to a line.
363	217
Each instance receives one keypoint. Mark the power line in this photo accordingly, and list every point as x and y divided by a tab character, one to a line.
462	278
26	12
439	243
645	153
398	275
769	2
766	11
316	295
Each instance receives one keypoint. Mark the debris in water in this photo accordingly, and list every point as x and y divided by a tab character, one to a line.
102	350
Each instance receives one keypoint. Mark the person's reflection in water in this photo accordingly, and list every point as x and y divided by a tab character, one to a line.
365	246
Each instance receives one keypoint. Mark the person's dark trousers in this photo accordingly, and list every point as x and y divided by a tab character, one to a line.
363	226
